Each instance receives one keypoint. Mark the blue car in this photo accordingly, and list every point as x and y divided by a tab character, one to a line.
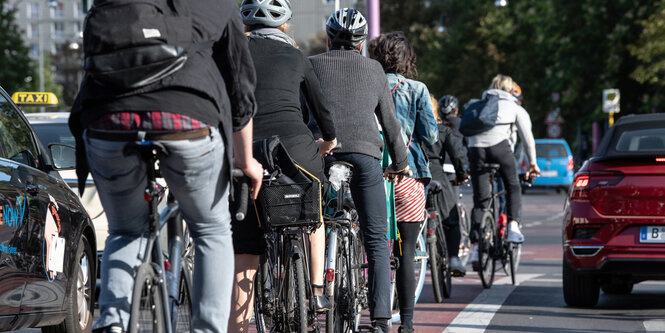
555	161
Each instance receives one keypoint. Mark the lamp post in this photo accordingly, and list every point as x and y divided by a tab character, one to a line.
374	18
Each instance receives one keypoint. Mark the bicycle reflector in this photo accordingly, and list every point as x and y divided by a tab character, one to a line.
330	275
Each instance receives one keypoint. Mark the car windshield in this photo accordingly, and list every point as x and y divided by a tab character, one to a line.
642	140
550	150
54	133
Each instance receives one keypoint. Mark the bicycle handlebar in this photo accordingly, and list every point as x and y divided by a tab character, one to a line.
241	207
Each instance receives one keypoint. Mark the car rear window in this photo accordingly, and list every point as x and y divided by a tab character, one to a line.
550	150
54	133
641	140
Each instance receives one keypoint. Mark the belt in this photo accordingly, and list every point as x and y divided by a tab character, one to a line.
144	135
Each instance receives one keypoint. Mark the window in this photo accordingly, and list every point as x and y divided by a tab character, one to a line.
16	141
34	50
642	140
34	30
33	10
550	150
59	10
59	29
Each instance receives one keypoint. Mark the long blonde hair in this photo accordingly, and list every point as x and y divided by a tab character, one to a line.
502	82
435	108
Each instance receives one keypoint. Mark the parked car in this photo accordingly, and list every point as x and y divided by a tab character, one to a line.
555	161
47	240
614	222
52	127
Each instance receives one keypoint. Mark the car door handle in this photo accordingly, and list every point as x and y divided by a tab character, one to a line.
32	189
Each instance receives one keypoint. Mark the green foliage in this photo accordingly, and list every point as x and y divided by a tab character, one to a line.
16	65
574	48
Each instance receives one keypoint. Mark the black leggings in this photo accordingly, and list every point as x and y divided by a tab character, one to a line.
405	278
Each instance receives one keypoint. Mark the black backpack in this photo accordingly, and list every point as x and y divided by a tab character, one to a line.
480	116
129	44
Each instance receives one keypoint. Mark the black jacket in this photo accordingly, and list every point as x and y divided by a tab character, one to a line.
220	82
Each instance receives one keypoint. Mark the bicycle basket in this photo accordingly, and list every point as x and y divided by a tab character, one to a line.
291	204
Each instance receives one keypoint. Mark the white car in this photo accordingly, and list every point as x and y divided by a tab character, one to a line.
53	127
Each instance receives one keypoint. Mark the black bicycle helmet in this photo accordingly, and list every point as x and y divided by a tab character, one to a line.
347	28
269	13
447	105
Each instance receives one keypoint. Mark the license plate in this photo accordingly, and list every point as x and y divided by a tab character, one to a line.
652	234
548	173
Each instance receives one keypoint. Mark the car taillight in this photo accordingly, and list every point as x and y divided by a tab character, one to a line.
571	164
660	159
585	182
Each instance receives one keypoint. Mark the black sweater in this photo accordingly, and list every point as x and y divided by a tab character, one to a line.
283	72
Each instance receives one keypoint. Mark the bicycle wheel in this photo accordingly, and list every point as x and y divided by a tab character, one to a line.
439	263
296	309
264	295
465	226
184	302
147	307
515	254
341	317
486	243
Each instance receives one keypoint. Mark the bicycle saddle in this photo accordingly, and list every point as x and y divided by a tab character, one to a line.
145	149
491	166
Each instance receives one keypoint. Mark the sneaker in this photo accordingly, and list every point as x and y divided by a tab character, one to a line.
114	328
474	259
380	326
456	266
514	233
403	329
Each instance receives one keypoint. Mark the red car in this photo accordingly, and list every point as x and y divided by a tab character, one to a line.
614	222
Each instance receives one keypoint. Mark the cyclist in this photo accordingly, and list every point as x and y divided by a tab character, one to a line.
358	90
414	112
493	146
448	147
194	113
282	73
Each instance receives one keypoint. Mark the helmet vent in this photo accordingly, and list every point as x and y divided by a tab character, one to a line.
260	13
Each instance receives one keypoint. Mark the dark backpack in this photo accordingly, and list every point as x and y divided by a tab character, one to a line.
129	44
480	116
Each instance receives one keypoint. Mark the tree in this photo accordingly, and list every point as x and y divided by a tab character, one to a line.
16	64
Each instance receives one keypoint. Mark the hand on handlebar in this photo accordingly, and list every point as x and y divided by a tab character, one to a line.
326	147
460	181
254	171
533	172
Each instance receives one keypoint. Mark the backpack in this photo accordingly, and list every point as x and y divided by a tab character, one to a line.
480	116
129	44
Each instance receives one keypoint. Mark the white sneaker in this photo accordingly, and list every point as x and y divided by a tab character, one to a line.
474	259
515	235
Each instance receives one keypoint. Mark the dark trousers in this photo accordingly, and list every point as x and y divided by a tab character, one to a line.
500	154
369	196
405	279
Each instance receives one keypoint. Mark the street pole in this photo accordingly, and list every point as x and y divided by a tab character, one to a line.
336	5
41	53
374	18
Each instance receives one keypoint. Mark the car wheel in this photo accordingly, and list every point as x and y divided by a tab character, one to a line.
579	290
617	288
79	302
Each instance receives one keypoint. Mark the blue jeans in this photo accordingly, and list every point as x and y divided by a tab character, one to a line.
196	175
369	196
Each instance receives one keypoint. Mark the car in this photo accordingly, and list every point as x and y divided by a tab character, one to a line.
555	161
47	239
614	216
53	127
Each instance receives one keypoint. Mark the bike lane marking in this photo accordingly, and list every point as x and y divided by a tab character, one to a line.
479	313
655	325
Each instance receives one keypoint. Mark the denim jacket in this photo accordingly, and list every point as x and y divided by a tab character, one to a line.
414	112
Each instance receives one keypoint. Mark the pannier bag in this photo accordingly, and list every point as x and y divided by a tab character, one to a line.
290	195
128	44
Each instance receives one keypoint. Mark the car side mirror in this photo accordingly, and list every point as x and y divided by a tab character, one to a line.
63	156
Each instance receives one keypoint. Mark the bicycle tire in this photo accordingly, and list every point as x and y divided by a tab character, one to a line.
486	243
515	255
184	302
439	264
465	240
359	278
264	296
146	311
296	308
341	319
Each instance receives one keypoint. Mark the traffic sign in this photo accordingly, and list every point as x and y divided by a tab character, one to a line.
35	98
611	99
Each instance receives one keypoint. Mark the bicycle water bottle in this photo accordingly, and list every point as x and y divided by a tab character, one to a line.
501	224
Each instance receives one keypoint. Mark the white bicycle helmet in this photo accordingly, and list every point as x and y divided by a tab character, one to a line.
347	27
269	13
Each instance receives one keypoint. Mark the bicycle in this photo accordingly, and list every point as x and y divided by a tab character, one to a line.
439	263
161	297
346	269
283	284
492	244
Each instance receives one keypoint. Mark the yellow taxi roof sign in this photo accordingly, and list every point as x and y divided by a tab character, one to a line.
35	98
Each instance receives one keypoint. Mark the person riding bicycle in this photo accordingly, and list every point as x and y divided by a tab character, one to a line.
414	111
448	147
493	146
359	95
195	113
282	73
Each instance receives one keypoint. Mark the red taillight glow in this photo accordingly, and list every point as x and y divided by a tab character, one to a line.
430	232
660	159
571	164
582	181
432	215
330	275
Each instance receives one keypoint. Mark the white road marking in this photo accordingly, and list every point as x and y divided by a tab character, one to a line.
654	325
479	313
545	280
554	217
